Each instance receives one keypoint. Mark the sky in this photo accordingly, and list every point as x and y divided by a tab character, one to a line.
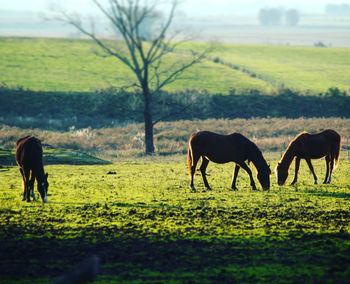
193	7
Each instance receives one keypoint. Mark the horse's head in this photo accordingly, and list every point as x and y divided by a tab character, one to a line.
281	174
264	177
43	187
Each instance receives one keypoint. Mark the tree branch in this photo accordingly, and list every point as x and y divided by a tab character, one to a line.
174	113
157	42
76	22
198	57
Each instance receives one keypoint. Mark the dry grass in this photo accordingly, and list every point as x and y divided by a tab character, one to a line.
171	137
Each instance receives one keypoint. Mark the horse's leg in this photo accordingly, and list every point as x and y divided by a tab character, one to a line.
297	164
195	160
245	167
31	183
27	184
308	161
234	178
23	184
203	167
328	160
331	169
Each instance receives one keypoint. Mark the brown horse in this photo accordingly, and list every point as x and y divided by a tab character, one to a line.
29	157
223	149
310	146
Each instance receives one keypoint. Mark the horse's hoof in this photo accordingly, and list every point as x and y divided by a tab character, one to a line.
234	188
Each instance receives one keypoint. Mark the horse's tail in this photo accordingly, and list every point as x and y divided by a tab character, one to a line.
336	150
189	157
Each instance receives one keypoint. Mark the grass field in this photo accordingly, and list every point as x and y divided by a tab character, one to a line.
137	213
298	68
140	218
73	65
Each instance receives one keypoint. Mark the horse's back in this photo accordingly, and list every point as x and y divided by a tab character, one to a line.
316	145
220	148
328	136
332	135
210	139
28	150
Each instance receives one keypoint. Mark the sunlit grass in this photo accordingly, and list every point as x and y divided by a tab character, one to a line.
299	68
76	65
271	234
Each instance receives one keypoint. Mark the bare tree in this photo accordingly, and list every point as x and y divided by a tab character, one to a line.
143	53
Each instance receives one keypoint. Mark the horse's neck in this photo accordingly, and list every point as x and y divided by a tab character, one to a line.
39	173
288	157
257	159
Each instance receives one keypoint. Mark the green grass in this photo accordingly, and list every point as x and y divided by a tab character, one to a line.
73	65
146	226
298	68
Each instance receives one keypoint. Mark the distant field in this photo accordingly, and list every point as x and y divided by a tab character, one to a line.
72	65
299	68
140	218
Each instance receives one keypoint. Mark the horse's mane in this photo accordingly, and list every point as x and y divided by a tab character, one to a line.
23	139
292	144
255	154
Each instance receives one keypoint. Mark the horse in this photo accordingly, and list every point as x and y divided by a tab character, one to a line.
222	149
29	158
310	146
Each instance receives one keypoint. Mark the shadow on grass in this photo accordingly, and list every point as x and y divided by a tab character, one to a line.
127	257
329	194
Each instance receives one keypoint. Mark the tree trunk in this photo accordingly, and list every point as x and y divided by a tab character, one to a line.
147	114
148	132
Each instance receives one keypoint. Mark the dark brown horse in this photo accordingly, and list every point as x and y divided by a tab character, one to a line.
223	149
310	146
29	157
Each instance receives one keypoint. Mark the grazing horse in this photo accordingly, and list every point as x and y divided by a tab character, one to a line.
29	157
223	149
310	146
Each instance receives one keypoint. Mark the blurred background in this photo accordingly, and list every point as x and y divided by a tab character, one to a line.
298	22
